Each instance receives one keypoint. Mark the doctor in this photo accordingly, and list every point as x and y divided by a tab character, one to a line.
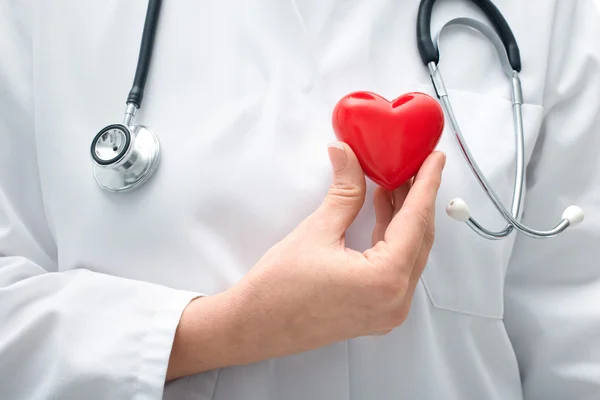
258	262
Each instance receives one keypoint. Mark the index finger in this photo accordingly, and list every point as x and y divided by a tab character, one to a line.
407	229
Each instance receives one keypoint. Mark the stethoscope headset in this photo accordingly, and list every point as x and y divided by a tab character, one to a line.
126	155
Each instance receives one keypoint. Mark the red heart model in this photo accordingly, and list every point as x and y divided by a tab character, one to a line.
390	139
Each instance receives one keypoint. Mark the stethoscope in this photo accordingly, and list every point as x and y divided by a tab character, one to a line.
126	155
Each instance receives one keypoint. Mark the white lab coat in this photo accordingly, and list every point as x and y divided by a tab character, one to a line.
92	284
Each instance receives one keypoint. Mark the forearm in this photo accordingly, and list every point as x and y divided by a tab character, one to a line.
211	334
232	328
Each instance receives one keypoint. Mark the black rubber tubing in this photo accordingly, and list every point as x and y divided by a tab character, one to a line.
136	94
428	51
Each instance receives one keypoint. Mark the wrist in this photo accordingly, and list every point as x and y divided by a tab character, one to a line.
205	337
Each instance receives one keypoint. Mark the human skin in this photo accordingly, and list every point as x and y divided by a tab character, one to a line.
310	290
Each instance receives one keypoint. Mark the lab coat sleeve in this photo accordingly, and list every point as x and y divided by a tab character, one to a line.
552	289
64	335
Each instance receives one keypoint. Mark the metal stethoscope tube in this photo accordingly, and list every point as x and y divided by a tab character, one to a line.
126	155
457	208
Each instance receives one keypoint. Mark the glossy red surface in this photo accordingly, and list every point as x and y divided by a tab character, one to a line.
390	139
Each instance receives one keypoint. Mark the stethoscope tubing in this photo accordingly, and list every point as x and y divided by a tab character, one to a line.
128	167
428	51
502	41
136	94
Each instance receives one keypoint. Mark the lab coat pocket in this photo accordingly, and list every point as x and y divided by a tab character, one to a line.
465	272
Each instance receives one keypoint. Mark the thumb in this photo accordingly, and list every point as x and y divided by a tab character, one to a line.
346	194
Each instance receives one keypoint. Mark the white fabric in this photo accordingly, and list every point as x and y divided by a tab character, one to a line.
92	284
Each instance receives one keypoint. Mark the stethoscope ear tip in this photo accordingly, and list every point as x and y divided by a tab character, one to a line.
574	215
458	210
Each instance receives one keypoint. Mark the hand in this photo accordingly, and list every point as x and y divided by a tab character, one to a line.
310	290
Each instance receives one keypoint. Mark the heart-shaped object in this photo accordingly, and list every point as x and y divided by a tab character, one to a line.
390	139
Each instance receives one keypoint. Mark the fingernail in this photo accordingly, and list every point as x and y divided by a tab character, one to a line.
444	157
337	156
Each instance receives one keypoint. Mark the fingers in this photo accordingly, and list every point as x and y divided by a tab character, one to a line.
421	260
408	228
384	211
415	275
417	269
346	194
399	195
387	204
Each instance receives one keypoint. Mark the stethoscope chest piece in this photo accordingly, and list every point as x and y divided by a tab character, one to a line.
124	156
